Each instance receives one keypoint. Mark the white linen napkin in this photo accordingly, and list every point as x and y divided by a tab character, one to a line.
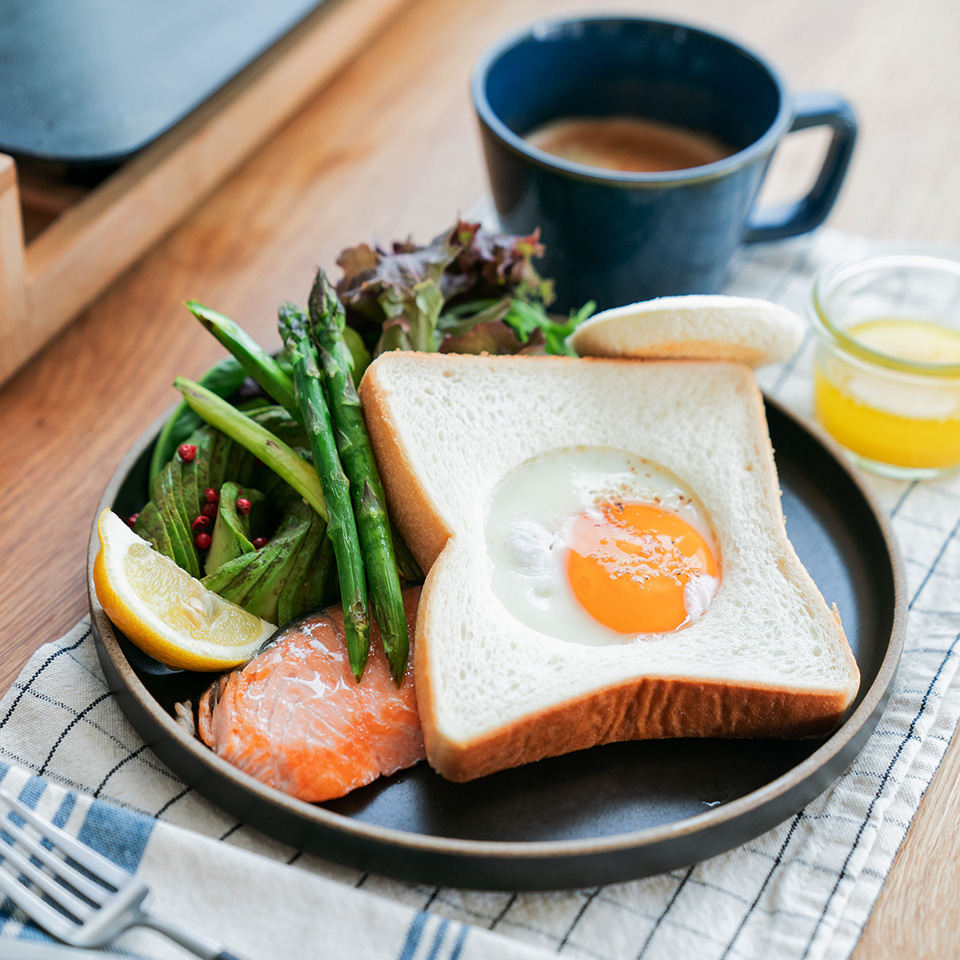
802	890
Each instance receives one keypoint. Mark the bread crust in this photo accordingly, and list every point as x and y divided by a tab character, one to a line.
645	708
688	350
411	508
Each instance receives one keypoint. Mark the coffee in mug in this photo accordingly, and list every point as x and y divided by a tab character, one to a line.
627	143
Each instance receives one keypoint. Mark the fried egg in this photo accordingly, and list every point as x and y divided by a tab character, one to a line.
596	545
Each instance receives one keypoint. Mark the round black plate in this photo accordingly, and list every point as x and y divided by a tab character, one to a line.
607	814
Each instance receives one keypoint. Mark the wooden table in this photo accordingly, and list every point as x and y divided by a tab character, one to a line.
388	148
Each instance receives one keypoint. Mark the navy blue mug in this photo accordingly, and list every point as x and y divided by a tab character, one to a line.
617	237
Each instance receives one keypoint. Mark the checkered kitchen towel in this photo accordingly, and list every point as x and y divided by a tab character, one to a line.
803	890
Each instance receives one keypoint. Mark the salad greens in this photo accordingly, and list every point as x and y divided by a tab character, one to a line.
468	291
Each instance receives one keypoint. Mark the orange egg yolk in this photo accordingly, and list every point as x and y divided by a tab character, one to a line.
629	562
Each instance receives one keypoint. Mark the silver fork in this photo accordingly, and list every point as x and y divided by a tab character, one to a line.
82	909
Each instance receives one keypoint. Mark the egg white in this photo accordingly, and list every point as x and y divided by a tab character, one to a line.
526	530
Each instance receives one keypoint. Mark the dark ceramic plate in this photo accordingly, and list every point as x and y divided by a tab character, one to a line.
607	814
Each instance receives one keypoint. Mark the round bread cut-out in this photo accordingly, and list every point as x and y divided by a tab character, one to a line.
742	329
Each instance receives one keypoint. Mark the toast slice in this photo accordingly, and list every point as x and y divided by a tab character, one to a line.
768	658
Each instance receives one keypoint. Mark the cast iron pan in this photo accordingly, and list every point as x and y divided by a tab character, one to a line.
599	816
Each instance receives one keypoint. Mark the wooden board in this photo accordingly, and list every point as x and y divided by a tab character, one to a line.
45	283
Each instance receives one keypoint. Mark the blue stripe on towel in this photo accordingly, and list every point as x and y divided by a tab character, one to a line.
30	795
120	835
437	940
458	945
413	936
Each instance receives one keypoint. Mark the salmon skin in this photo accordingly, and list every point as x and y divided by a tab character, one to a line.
295	718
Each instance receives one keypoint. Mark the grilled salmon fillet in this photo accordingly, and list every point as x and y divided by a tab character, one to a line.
295	718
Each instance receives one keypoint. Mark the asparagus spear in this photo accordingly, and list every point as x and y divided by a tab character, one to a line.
341	523
407	566
250	355
327	321
222	378
259	441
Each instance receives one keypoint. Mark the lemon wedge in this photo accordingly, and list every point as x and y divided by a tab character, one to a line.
166	612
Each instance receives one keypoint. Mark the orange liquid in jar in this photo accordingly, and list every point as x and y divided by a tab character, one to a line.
911	421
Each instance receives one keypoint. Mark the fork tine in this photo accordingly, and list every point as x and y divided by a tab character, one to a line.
61	896
51	920
92	891
81	853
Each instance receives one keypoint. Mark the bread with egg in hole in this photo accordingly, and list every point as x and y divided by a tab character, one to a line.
474	450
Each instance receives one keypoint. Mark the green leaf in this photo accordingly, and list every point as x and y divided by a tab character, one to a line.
459	321
411	319
525	319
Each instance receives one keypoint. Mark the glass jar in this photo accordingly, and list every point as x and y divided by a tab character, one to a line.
887	361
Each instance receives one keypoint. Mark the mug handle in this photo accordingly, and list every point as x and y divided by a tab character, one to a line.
813	109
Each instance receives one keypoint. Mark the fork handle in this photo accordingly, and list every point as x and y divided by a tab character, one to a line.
202	947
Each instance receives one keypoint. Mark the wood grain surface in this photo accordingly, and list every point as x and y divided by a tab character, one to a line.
390	148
